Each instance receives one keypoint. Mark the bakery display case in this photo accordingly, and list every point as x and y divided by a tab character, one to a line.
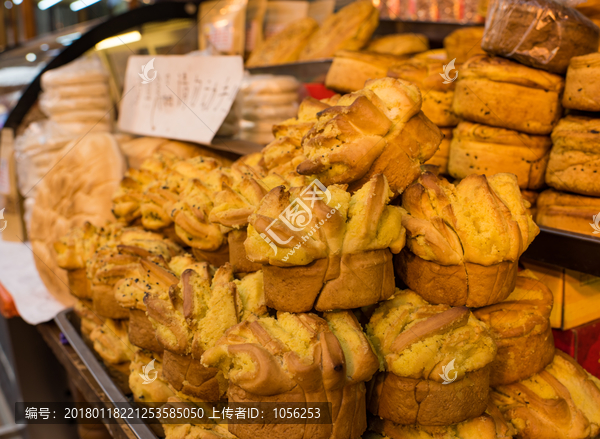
408	234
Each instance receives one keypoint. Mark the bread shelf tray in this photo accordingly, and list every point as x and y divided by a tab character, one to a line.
65	321
566	249
304	71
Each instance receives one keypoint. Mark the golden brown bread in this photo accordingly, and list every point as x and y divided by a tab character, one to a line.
141	332
377	130
191	315
437	96
570	212
490	425
333	255
582	91
434	357
481	149
574	163
464	43
562	402
520	325
351	69
188	376
505	94
350	28
399	44
297	358
284	46
464	241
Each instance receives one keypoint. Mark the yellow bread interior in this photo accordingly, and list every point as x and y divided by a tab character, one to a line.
471	345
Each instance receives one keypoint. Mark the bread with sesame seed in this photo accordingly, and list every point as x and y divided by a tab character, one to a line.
502	93
574	164
481	149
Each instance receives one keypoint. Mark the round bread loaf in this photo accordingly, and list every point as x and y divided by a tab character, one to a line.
335	255
481	149
520	325
298	358
562	401
464	240
436	362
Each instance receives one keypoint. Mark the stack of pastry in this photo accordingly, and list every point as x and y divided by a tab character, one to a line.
464	240
508	110
574	164
266	99
424	72
334	252
379	129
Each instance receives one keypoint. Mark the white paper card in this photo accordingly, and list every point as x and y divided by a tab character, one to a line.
21	279
179	97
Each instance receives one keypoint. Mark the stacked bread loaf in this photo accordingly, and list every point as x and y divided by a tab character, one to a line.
508	110
266	99
574	164
511	106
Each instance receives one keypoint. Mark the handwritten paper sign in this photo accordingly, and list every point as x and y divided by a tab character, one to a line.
179	97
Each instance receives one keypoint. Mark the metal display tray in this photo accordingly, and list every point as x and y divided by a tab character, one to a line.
66	322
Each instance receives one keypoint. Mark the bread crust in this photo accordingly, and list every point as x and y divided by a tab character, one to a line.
574	163
562	401
467	284
582	90
237	253
189	376
566	211
521	329
350	70
427	402
361	279
142	333
490	425
480	149
464	43
502	93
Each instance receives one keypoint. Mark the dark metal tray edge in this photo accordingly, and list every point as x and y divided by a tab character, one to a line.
142	431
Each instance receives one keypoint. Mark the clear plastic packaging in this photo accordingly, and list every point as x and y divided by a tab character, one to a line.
543	34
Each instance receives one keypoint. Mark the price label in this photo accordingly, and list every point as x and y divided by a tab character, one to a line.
179	97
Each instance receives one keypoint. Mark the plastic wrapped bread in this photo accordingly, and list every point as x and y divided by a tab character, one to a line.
543	34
